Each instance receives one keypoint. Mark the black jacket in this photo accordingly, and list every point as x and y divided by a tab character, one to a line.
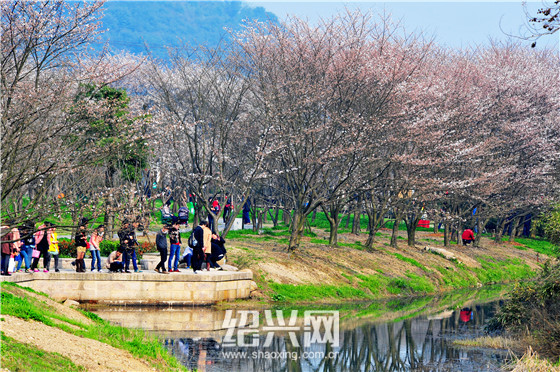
161	241
199	236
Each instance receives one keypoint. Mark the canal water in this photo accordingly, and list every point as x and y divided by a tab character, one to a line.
414	334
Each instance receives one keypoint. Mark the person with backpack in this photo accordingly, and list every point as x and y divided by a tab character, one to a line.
161	244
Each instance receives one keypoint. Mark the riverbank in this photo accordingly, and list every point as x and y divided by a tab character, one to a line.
319	273
41	334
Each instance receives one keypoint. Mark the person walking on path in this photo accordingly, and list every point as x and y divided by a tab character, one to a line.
161	244
94	242
43	241
174	248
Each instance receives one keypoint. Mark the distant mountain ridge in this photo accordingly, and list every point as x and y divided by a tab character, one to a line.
133	24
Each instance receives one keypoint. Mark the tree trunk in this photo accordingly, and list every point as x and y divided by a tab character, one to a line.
374	224
286	217
313	216
348	220
296	230
356	222
274	217
515	223
446	234
500	231
395	232
480	227
260	219
436	230
253	213
333	219
411	234
411	222
454	235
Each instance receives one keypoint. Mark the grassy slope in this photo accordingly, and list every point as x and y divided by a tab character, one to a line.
16	302
318	272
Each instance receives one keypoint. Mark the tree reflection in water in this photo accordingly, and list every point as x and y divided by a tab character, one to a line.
415	344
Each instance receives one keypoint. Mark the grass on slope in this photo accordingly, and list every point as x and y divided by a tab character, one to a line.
137	342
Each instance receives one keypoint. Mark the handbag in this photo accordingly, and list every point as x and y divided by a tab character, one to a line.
36	253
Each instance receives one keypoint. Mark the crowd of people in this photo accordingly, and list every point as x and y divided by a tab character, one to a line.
204	249
28	244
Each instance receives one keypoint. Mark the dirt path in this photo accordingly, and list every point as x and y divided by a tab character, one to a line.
91	354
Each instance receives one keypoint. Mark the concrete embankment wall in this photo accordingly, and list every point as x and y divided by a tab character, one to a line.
204	288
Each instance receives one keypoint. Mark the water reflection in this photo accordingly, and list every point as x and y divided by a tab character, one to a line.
409	343
418	344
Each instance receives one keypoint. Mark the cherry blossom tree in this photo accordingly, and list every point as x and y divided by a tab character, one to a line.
44	62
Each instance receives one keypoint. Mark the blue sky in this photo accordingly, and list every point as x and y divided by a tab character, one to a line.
453	23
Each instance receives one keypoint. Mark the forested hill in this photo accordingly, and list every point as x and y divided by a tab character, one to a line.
131	24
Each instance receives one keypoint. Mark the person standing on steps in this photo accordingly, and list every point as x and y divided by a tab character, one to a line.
28	246
161	244
127	236
10	245
174	248
94	243
81	246
53	248
198	249
207	238
43	241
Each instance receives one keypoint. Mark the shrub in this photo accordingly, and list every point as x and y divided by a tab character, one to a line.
108	246
146	248
66	248
534	307
552	225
